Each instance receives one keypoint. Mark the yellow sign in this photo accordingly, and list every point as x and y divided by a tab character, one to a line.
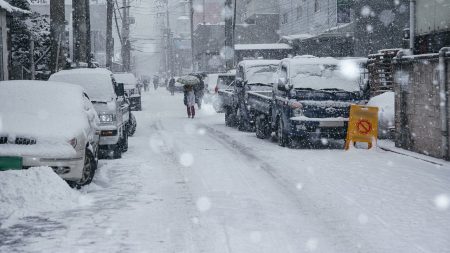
362	125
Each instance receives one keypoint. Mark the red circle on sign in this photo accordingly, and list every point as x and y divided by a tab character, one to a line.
364	126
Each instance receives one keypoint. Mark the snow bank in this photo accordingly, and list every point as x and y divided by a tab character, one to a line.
386	114
29	192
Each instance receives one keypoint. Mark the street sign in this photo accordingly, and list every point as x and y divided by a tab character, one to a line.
362	125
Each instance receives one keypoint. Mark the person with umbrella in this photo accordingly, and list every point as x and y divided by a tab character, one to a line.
189	82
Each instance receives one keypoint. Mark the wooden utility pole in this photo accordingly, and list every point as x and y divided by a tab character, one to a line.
169	42
57	28
81	29
88	32
109	38
126	47
228	35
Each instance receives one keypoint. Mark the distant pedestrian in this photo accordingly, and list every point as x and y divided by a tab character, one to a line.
145	85
155	82
189	100
172	86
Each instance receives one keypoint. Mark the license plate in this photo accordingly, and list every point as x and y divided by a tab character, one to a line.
10	163
331	124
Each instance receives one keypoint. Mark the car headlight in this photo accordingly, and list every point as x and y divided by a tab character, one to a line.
107	118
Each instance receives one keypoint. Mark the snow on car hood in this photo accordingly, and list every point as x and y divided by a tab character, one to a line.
41	110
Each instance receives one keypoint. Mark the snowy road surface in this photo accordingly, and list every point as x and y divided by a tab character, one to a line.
197	186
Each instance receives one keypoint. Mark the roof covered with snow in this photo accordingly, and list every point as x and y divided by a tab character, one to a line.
9	8
273	46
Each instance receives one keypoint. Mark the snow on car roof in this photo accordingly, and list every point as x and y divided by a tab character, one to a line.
125	78
39	108
97	82
273	46
253	63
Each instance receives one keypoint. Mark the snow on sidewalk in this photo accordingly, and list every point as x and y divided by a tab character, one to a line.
33	191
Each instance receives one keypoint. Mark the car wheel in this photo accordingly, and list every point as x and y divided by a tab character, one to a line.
229	117
132	125
90	166
125	143
117	151
261	127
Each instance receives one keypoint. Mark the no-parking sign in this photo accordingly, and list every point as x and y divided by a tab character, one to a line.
362	125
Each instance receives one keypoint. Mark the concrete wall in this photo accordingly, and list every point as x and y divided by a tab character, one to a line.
417	112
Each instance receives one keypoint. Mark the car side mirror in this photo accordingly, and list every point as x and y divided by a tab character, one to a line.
120	91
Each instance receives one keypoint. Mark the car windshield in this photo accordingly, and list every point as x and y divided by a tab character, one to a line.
234	126
322	77
260	74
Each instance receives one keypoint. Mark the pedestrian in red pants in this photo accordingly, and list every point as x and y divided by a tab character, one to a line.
189	100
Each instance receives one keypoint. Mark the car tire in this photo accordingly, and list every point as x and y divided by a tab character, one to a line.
229	117
262	127
117	151
90	166
125	143
132	125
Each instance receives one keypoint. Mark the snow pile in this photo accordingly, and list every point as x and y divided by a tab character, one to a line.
386	114
29	192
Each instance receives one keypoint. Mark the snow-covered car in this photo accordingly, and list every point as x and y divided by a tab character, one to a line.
109	102
132	91
48	124
216	82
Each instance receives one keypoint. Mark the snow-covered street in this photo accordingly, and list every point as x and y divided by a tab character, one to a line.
195	185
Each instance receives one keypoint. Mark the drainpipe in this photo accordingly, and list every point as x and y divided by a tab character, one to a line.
412	24
443	100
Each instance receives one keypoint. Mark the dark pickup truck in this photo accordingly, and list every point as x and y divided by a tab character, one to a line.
251	76
311	99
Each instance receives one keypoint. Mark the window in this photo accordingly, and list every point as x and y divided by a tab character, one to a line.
344	11
316	6
284	18
299	12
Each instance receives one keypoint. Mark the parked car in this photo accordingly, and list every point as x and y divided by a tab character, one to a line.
49	124
252	75
216	82
311	99
109	102
132	91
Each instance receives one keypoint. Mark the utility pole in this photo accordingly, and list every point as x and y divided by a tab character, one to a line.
32	64
88	32
229	48
191	12
57	28
169	42
109	38
126	47
81	31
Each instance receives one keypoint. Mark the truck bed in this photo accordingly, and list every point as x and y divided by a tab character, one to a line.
227	97
260	101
